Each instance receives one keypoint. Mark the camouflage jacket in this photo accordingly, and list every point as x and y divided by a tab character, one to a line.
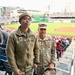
22	50
47	50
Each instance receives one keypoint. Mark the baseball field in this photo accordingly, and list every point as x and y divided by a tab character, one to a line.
63	29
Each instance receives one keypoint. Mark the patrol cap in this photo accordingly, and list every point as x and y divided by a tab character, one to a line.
42	25
23	15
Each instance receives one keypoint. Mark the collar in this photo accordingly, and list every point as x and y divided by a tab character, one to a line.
20	33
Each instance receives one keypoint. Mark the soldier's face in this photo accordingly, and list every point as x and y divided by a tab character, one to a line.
25	22
42	32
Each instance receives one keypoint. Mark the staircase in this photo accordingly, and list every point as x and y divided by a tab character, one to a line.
66	64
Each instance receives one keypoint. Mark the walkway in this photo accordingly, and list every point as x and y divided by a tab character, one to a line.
64	63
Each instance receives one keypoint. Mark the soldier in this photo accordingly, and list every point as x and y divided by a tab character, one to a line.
22	48
47	52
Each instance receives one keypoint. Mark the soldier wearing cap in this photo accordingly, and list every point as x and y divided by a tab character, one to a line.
47	51
22	48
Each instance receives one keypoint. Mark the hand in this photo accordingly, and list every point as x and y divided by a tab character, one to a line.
17	72
35	65
51	66
1	43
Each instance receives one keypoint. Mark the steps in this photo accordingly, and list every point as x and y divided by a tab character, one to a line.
63	66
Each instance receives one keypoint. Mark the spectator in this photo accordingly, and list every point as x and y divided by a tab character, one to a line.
4	35
47	51
22	47
59	50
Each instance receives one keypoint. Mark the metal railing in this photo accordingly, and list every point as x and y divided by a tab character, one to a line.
71	72
72	65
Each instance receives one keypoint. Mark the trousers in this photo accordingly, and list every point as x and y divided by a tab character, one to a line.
41	71
30	72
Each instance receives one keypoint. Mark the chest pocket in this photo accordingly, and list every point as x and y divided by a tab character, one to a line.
40	44
21	41
48	43
30	41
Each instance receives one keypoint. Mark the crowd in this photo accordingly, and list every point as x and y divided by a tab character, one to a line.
24	51
4	20
61	44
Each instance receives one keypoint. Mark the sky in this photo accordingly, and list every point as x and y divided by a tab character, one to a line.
28	4
55	5
60	5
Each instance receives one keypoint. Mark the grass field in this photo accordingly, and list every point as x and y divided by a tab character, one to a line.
53	28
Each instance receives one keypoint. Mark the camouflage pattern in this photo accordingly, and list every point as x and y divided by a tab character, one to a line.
47	53
30	72
47	50
42	25
50	72
22	50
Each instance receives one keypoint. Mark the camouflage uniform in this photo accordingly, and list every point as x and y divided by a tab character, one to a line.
47	53
22	51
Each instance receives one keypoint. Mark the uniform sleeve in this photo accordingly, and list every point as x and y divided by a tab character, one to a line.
10	53
36	52
53	50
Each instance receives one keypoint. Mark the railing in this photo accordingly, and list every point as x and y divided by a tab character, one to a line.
71	72
72	65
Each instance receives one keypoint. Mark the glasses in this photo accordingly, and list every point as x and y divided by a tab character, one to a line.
25	18
42	29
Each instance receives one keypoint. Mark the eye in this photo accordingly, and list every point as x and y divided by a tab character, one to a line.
26	18
43	29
